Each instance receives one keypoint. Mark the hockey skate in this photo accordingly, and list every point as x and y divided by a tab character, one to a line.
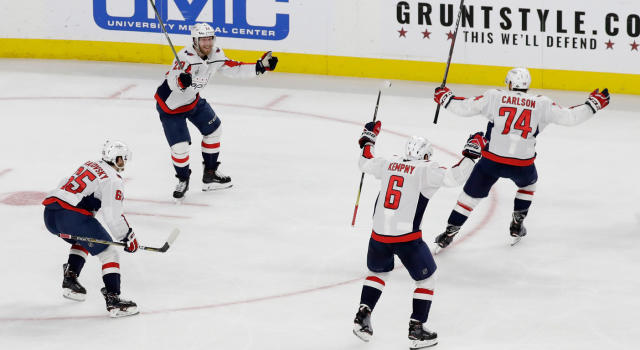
362	323
181	189
118	307
517	229
212	179
71	288
420	337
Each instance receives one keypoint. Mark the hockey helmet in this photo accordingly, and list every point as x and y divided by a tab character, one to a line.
417	147
114	149
202	30
519	78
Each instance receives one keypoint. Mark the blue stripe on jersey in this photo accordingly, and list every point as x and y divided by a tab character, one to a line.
487	135
537	131
89	203
164	90
422	205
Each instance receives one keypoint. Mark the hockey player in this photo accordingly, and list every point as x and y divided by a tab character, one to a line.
407	184
178	99
515	120
70	208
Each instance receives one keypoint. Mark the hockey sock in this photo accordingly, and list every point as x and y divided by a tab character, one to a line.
462	209
372	289
182	173
180	158
422	296
77	257
211	148
523	199
210	160
110	269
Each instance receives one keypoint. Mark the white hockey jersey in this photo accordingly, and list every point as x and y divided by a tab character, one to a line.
173	99
95	185
515	120
406	187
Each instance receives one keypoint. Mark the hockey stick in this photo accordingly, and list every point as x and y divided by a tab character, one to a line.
172	237
446	72
375	114
164	30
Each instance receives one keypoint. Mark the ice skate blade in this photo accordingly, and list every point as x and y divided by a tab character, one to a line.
421	344
215	186
115	313
71	295
365	337
515	240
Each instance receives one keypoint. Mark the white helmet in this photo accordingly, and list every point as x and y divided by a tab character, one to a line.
202	30
417	147
114	149
519	78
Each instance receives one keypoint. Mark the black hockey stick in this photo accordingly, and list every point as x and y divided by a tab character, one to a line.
172	237
375	114
446	72
164	30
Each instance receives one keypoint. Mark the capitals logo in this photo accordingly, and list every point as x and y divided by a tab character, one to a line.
179	15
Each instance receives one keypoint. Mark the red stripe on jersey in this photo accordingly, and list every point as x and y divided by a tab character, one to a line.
458	98
423	291
210	145
110	265
231	63
375	279
396	239
509	161
80	248
478	97
185	108
366	152
180	160
65	205
525	192
465	206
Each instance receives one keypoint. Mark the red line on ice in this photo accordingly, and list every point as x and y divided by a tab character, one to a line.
275	102
122	91
2	172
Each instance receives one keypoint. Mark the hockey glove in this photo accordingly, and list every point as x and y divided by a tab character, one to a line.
370	133
475	144
266	63
598	100
130	241
184	80
443	96
445	238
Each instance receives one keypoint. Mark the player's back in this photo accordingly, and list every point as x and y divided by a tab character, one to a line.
406	187
83	189
517	118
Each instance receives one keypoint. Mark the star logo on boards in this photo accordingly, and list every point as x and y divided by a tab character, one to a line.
634	46
402	33
426	34
609	44
450	36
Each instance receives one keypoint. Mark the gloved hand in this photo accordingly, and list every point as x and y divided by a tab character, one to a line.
130	241
445	238
370	133
598	100
184	80
443	96
266	63
475	144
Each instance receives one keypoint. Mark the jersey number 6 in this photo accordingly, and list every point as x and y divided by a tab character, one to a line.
392	198
523	122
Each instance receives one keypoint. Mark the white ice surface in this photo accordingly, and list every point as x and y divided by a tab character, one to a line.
273	263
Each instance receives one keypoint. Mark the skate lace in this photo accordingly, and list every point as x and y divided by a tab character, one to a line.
181	186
